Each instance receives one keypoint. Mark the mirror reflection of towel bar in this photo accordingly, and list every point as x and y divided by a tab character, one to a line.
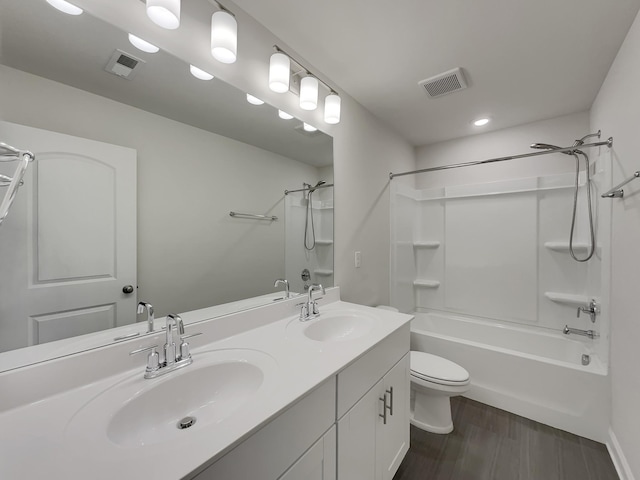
272	218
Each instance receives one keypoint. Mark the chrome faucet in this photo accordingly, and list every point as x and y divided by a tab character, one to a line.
309	309
142	306
587	333
174	357
592	310
285	282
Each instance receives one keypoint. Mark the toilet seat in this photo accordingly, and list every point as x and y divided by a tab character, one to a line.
438	370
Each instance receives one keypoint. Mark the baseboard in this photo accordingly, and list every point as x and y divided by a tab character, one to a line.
618	458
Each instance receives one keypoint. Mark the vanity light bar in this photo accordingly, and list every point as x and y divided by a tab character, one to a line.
283	66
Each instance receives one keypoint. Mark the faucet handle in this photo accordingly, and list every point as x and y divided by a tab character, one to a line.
184	346
153	360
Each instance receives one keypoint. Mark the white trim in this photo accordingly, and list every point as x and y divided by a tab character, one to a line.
618	458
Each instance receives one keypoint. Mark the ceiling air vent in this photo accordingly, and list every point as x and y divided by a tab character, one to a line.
445	83
123	64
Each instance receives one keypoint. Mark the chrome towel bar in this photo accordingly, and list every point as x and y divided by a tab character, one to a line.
272	218
617	192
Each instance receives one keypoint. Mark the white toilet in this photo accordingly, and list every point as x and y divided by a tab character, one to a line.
433	381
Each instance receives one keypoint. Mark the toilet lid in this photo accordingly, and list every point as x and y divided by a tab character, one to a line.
432	367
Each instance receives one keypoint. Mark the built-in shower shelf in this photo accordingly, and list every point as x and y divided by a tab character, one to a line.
324	242
563	247
323	273
568	299
426	244
426	283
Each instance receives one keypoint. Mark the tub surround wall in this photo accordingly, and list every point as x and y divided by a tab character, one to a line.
617	110
500	251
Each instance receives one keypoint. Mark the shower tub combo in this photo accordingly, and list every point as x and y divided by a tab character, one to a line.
541	375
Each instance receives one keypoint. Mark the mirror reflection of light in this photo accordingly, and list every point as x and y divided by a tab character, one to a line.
308	128
284	115
65	7
164	13
200	74
143	45
254	100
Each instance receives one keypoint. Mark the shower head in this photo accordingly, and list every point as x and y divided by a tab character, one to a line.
548	146
313	189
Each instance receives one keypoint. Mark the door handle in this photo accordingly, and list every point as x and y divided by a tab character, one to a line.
128	289
390	407
383	415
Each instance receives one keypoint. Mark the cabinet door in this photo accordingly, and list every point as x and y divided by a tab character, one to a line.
357	437
392	438
318	463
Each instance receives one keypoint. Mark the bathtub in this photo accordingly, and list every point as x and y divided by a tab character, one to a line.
535	374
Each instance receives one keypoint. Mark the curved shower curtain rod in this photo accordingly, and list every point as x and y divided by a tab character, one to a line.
607	143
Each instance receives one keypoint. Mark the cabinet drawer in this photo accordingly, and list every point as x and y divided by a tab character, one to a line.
357	378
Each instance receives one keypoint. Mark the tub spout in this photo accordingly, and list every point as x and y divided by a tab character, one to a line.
576	331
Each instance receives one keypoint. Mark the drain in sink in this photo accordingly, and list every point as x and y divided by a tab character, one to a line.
186	422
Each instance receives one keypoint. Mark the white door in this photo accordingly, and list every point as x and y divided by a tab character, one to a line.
318	463
357	437
68	244
393	437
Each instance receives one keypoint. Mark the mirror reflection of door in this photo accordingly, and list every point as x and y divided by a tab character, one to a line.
68	244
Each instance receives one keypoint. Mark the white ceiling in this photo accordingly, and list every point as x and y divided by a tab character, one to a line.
525	60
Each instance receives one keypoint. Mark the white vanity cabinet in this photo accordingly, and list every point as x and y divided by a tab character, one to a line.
373	434
354	426
299	444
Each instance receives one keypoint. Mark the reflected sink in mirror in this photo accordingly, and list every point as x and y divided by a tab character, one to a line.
338	327
137	412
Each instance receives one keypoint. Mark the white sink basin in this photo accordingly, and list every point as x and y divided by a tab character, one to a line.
138	412
338	327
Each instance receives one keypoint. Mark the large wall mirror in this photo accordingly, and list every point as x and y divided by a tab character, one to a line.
133	184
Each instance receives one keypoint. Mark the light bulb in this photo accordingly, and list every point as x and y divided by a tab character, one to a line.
481	122
284	115
308	128
279	72
142	44
165	13
254	100
309	93
332	109
224	37
201	74
65	7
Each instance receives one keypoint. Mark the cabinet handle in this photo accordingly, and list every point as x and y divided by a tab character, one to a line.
383	415
390	407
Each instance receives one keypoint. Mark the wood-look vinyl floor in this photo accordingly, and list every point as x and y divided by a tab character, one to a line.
491	444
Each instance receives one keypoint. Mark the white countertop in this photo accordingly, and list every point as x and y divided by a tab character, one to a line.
37	440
